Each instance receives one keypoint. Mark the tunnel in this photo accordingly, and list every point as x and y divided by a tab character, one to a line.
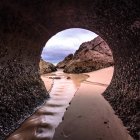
25	26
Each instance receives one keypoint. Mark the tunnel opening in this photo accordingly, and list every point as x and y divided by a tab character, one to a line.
69	42
85	52
66	45
23	35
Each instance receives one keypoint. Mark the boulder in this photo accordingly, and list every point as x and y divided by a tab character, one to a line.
46	67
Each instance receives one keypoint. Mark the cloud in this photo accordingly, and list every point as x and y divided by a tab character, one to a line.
64	43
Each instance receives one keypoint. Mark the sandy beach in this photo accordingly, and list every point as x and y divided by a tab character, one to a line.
88	117
48	83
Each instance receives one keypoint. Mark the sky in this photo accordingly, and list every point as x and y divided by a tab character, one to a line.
65	43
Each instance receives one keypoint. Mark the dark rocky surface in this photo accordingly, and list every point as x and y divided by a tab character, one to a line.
92	55
25	27
46	67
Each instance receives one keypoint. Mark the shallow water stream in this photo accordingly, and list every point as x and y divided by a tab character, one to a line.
41	125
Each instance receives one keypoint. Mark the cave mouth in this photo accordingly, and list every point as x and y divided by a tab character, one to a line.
92	58
68	41
24	33
62	47
64	43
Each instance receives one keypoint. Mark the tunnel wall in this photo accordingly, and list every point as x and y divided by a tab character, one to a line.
25	26
21	89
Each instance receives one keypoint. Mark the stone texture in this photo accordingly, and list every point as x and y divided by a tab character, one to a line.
46	67
62	64
25	27
90	56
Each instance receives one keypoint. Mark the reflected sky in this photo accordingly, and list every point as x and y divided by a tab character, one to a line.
64	43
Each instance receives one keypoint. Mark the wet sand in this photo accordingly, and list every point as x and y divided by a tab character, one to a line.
48	83
41	125
89	117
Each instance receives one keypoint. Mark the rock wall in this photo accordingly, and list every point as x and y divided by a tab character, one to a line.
25	26
67	59
92	55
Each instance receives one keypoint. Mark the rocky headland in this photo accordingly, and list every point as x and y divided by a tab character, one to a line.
90	56
46	67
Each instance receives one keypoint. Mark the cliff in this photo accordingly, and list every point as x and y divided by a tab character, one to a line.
67	59
90	56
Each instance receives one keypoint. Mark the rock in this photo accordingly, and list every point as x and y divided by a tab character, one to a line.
46	67
63	63
55	77
106	122
68	77
51	78
90	56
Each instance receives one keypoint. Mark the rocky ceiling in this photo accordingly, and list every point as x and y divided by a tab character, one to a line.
26	25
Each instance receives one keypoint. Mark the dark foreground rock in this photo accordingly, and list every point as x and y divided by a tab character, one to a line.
90	56
46	67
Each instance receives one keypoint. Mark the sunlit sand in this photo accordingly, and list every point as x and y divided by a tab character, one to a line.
88	117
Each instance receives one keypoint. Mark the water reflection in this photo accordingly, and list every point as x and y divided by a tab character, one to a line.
41	125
